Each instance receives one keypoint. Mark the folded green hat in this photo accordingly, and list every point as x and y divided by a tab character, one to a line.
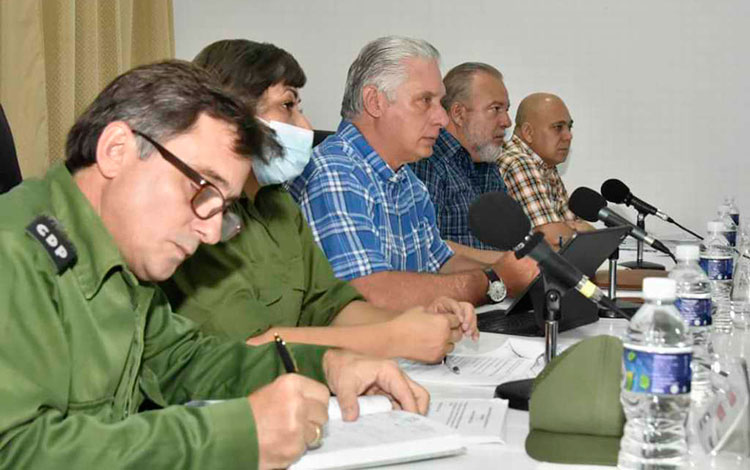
575	415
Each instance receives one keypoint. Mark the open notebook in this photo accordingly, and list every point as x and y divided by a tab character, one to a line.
382	436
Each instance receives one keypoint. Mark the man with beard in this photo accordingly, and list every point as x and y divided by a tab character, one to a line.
541	141
462	166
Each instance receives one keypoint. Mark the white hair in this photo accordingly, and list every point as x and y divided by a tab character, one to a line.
381	64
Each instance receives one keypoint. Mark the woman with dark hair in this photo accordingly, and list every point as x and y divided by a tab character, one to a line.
272	277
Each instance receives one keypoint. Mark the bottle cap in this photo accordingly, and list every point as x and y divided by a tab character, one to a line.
688	252
723	211
659	288
715	226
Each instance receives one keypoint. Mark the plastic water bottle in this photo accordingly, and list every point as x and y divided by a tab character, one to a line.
730	227
741	277
656	382
734	211
743	234
694	304
717	260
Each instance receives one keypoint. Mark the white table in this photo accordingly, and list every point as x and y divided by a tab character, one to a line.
511	455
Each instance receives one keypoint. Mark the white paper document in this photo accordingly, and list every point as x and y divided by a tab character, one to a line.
516	359
381	436
381	439
368	404
477	421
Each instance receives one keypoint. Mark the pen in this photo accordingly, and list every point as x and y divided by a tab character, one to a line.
452	368
286	358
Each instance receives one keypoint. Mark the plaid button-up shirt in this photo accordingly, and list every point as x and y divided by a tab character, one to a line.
366	217
454	181
537	187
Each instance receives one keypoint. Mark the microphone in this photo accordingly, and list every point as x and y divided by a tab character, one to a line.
514	234
618	192
591	206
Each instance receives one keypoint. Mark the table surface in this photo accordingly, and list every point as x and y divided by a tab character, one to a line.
512	453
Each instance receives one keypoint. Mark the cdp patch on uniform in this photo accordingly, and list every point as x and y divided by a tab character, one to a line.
46	231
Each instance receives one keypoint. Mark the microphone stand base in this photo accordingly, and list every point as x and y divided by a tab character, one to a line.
643	265
627	306
517	392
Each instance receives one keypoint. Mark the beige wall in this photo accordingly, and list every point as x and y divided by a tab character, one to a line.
56	55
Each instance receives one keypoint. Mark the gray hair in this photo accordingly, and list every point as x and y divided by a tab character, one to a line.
458	81
381	64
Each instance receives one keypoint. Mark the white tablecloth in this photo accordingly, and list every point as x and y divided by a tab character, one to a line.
511	455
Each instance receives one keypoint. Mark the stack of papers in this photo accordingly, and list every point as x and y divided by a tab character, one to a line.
383	436
516	359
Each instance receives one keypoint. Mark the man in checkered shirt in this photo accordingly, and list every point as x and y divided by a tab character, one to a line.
541	141
370	214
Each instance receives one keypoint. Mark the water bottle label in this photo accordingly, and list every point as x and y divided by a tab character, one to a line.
662	373
695	311
718	269
731	237
735	219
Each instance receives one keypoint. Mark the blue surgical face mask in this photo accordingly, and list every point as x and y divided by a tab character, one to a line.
296	143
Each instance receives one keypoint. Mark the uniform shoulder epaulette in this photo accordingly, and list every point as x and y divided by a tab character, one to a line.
47	231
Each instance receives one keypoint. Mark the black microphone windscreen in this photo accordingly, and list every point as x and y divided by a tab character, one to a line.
586	203
615	191
497	220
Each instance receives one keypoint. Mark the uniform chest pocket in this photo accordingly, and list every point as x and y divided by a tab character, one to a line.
277	278
281	290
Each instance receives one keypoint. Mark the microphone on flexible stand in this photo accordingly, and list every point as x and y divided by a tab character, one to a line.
513	232
591	206
618	192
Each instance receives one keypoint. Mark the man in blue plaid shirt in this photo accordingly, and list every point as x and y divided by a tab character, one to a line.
370	214
463	165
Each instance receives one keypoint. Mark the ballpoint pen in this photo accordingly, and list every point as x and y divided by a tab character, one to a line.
453	368
290	368
286	358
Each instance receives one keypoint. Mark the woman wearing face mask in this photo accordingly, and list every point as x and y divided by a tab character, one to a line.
272	277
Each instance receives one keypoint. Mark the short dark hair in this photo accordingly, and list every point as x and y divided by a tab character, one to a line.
249	68
458	81
162	100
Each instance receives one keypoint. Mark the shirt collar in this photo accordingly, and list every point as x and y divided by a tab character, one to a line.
449	143
456	153
354	137
96	251
517	140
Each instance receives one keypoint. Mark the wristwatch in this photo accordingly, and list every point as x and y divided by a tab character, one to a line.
497	290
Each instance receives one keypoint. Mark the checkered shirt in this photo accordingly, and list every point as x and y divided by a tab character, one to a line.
366	217
454	181
537	187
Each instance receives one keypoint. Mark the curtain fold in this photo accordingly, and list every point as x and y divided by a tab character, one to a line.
56	55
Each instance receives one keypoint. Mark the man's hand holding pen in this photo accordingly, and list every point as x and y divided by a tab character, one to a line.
291	411
289	414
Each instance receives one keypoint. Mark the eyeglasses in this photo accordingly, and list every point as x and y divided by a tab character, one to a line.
208	199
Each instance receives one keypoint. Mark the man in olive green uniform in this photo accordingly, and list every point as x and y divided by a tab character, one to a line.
88	344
